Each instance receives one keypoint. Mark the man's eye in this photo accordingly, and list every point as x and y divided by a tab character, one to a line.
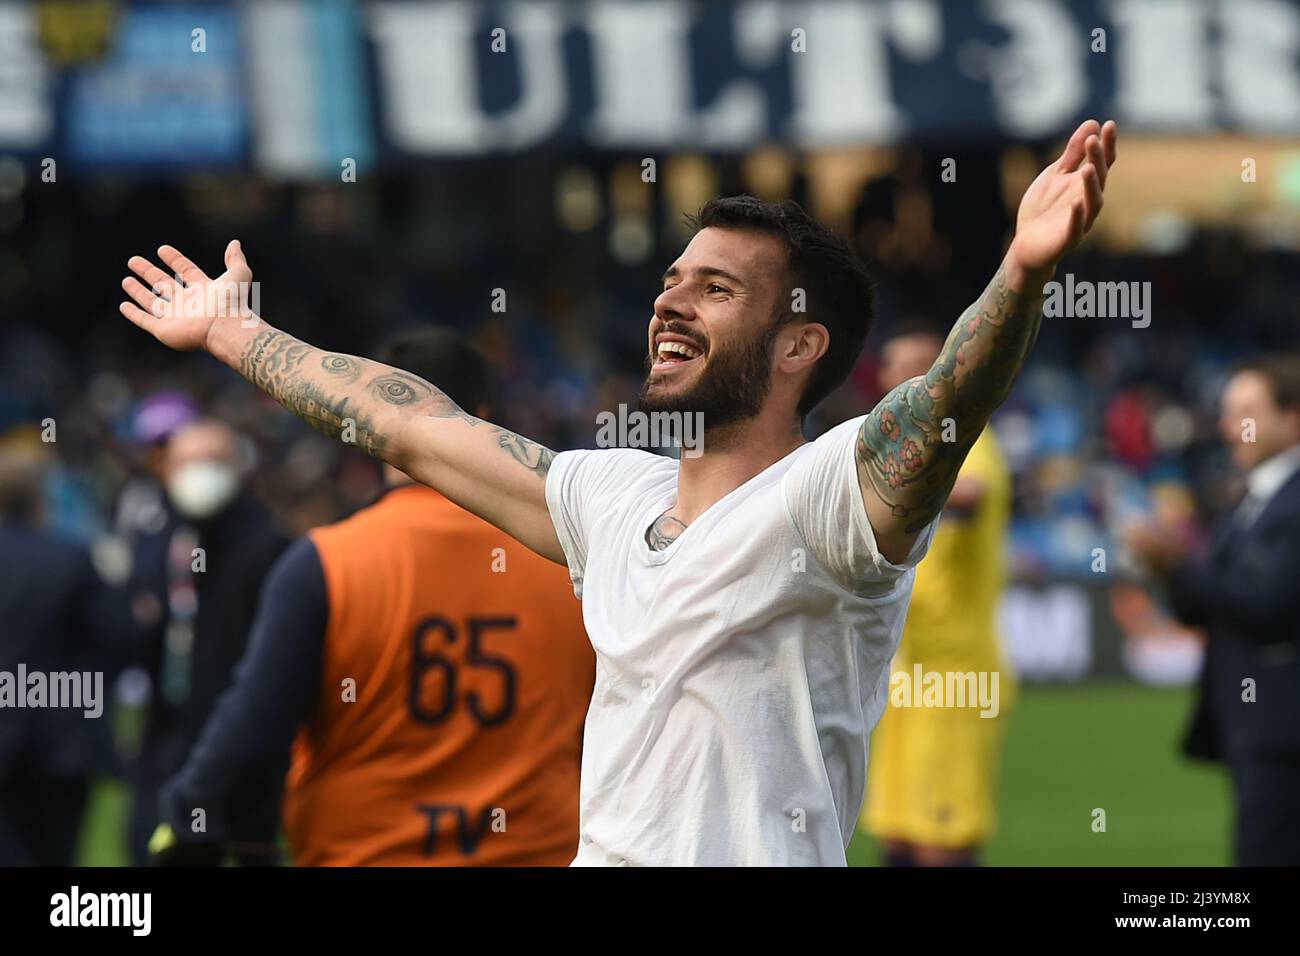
714	287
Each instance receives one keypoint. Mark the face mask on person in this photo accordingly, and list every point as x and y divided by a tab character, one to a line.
200	489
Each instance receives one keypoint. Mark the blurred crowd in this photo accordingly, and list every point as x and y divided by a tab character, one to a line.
1108	421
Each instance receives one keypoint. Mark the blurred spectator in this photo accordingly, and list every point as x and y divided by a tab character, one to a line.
58	619
141	505
1246	594
1128	430
195	583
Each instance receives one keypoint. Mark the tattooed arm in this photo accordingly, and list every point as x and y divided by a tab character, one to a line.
913	443
388	413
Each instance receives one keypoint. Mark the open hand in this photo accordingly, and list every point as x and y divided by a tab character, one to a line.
1060	205
181	314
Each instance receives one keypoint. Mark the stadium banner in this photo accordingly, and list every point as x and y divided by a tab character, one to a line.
303	87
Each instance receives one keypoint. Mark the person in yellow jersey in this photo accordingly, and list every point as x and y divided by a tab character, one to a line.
932	777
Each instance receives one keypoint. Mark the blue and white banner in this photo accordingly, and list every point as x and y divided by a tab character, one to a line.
296	87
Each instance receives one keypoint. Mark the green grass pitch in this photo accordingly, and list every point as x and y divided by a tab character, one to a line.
1069	749
1073	748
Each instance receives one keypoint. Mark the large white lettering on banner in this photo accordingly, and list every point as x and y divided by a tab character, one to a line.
296	87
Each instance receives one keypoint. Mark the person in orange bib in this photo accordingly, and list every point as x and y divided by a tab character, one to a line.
436	673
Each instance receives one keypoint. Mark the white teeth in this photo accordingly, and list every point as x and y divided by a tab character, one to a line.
680	348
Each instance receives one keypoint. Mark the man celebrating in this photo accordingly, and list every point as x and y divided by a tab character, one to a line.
743	604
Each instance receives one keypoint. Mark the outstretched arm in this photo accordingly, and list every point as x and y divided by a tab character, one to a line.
913	443
386	412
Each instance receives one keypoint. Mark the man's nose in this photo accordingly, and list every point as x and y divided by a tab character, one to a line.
674	304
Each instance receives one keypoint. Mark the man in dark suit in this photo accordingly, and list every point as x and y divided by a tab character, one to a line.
1245	593
56	618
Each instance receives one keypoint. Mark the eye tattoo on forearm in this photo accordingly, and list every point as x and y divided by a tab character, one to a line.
342	367
398	388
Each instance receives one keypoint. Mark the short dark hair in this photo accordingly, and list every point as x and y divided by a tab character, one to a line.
444	358
837	286
1282	372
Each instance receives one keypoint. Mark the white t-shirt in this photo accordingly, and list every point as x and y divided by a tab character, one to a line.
740	671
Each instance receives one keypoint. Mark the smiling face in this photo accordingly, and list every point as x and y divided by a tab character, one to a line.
710	340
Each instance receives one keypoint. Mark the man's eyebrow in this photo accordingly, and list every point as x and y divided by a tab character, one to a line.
673	272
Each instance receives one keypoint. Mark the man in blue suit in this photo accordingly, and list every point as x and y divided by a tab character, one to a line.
1245	593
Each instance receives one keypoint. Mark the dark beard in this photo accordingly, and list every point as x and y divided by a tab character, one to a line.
730	390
